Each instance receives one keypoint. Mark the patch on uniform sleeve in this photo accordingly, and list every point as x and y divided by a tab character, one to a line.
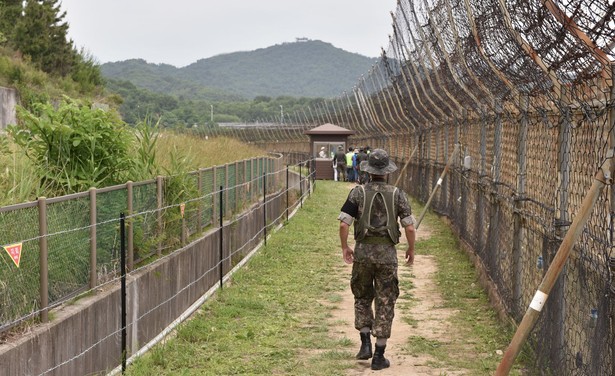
350	208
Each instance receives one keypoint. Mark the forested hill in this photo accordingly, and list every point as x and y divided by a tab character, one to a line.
301	69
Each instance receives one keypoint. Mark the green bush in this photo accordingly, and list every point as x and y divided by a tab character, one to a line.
74	147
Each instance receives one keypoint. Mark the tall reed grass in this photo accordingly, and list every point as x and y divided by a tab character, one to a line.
20	182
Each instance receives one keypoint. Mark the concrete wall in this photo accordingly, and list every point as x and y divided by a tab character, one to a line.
9	98
85	338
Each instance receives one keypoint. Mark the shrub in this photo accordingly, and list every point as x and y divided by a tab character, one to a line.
74	147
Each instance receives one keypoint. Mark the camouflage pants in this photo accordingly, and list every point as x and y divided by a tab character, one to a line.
375	283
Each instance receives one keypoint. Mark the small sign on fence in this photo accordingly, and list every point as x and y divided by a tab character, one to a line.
14	251
182	208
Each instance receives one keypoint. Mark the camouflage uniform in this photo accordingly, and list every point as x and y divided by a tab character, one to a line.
374	270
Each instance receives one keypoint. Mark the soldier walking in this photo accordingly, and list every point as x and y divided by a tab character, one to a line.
375	208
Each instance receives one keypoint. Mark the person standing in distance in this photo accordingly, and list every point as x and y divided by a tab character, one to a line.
340	158
349	170
375	208
322	153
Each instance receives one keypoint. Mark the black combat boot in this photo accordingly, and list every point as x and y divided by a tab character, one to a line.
365	352
379	361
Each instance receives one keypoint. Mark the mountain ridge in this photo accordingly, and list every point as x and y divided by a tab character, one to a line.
300	69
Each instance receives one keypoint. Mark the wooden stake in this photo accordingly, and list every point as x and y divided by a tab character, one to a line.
438	185
401	172
601	178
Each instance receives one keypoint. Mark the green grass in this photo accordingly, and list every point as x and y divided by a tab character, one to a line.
478	332
270	319
274	317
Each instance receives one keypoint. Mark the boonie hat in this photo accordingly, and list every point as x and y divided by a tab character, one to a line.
378	163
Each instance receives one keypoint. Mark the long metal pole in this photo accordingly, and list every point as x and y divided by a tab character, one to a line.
265	207
123	288
93	268
300	187
44	270
287	203
159	191
311	176
602	177
438	185
221	235
130	239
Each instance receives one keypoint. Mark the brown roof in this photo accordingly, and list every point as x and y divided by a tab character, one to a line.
329	129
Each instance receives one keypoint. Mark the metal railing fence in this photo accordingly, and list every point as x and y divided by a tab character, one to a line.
70	244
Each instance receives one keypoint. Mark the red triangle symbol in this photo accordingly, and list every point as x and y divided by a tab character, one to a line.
14	251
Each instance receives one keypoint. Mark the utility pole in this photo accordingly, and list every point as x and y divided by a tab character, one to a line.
211	106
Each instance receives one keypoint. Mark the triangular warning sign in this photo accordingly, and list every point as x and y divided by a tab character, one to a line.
14	250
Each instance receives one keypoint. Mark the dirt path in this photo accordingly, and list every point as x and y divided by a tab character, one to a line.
432	322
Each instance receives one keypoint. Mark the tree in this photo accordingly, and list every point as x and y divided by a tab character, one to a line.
41	34
86	72
10	10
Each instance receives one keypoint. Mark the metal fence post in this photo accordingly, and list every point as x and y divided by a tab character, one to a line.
130	246
312	186
245	185
445	203
494	204
253	173
464	189
123	309
480	212
518	228
300	187
556	305
221	245
182	235
159	181
199	208
93	267
265	207
43	267
237	187
611	120
226	193
287	195
214	212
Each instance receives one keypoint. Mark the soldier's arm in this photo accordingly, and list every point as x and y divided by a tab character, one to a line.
347	215
407	222
347	252
411	236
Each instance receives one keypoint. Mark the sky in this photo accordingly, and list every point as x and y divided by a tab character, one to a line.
180	32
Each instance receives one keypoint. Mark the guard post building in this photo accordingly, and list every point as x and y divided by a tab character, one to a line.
324	141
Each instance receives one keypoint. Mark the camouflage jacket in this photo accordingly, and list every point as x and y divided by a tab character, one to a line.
353	209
